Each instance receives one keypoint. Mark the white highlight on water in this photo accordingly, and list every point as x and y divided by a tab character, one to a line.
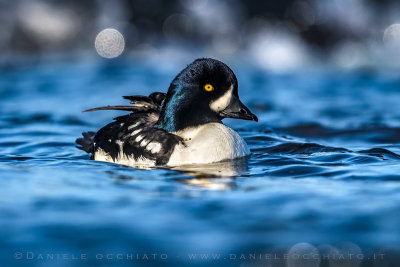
109	43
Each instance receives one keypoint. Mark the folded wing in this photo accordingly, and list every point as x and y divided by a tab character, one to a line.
139	103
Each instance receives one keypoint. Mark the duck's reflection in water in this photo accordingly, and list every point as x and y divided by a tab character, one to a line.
215	176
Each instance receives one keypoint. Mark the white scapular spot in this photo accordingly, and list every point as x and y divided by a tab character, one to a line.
139	138
135	132
133	125
144	142
150	146
156	148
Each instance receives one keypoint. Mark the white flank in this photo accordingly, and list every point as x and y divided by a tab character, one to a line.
122	159
209	143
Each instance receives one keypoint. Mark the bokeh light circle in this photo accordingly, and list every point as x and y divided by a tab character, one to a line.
303	255
391	36
109	43
346	254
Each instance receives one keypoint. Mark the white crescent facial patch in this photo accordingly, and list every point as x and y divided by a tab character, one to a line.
223	101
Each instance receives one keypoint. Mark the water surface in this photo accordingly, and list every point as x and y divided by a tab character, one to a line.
324	170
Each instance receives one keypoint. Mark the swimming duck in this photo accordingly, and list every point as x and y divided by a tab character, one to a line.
183	126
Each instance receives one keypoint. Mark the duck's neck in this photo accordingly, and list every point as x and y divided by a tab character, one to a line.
177	114
175	117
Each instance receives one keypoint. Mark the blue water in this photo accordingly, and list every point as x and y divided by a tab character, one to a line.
324	170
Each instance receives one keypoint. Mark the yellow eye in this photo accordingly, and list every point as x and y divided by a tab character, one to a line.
208	87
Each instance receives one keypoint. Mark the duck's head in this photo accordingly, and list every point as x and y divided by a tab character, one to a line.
205	91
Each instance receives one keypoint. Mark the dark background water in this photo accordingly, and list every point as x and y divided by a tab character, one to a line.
324	170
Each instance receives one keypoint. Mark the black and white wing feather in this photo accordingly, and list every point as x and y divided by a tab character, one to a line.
139	103
132	138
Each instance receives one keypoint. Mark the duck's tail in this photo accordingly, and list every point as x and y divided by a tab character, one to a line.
86	143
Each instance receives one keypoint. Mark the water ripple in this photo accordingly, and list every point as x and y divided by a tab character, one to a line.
322	170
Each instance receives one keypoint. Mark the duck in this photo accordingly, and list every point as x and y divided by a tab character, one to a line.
180	127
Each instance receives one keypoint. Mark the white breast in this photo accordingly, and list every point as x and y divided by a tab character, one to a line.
212	142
